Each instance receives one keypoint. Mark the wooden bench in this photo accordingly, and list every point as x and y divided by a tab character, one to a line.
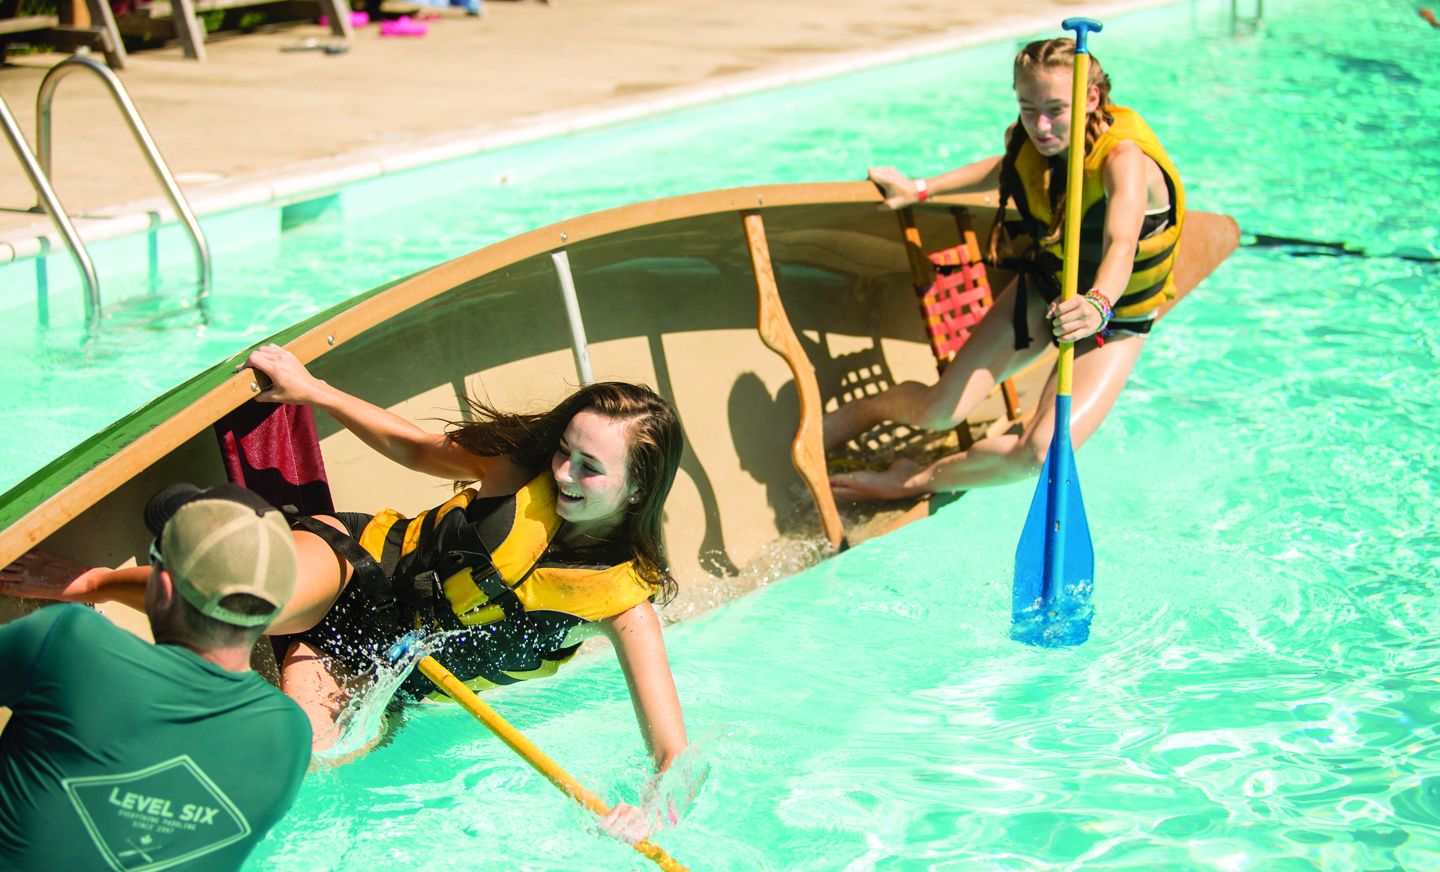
28	23
180	19
80	23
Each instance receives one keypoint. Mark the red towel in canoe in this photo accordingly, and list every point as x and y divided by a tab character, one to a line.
272	449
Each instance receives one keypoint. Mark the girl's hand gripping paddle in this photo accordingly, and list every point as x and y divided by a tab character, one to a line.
1055	562
408	645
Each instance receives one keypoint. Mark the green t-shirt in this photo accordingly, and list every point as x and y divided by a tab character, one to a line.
131	757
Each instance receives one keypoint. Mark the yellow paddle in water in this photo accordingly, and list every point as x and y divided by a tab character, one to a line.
1055	561
521	745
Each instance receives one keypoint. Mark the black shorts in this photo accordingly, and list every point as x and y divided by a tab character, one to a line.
1050	294
1135	328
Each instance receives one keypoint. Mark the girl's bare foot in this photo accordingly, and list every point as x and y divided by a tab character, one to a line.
892	484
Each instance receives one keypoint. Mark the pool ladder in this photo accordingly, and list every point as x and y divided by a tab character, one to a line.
39	173
1242	24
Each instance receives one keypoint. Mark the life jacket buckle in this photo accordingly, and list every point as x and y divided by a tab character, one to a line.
421	597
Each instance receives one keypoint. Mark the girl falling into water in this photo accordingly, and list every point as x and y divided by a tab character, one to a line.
554	537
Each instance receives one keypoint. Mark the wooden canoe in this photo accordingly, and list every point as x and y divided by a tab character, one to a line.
668	292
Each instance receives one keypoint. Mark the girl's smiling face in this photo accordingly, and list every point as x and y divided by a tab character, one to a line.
1044	97
592	472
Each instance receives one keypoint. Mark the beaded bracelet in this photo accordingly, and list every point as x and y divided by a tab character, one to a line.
1098	300
1101	304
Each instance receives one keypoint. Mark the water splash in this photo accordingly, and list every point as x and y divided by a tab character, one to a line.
674	791
361	723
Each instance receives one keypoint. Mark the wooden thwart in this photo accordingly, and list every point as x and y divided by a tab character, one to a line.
807	452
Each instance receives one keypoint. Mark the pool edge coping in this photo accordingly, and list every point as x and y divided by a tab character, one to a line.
323	176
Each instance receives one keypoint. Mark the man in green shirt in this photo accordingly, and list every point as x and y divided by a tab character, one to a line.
132	757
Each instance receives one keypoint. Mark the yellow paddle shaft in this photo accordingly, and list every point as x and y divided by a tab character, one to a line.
533	755
1079	96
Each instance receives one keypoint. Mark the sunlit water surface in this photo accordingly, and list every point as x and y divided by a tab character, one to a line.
1259	690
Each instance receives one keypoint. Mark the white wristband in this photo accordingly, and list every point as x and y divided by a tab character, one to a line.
922	189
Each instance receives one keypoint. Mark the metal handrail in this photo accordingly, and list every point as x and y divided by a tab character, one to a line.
142	137
51	204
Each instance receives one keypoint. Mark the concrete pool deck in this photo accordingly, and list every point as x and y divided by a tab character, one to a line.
254	124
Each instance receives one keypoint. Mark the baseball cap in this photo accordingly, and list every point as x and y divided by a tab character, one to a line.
224	541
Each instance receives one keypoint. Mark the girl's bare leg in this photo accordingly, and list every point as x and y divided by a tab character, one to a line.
305	678
1099	377
988	358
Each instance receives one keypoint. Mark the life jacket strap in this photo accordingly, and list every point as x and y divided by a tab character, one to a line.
1030	267
423	590
367	571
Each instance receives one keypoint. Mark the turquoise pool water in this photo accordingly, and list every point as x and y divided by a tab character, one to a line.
1259	690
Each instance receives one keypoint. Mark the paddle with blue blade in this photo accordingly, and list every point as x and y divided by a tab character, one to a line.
1055	560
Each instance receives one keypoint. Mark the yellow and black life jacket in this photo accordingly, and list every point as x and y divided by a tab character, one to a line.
477	566
1151	281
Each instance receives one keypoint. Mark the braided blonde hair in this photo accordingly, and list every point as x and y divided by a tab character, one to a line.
1048	54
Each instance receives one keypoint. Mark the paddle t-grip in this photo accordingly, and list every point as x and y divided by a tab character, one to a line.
404	645
1083	28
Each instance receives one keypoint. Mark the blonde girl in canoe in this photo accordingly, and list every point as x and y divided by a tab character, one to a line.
1134	207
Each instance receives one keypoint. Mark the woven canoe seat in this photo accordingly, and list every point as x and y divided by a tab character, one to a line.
953	303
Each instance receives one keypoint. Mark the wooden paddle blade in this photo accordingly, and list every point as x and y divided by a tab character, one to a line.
1055	560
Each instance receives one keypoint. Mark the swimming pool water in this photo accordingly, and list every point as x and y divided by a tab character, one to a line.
1259	690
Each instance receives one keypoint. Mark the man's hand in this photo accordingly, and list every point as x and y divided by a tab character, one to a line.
42	575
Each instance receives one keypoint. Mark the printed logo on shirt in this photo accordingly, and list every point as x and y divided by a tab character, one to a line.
156	818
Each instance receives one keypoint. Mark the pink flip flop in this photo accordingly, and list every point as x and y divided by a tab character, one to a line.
403	26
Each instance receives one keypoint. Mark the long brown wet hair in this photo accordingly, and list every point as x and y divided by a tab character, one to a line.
655	442
1047	54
